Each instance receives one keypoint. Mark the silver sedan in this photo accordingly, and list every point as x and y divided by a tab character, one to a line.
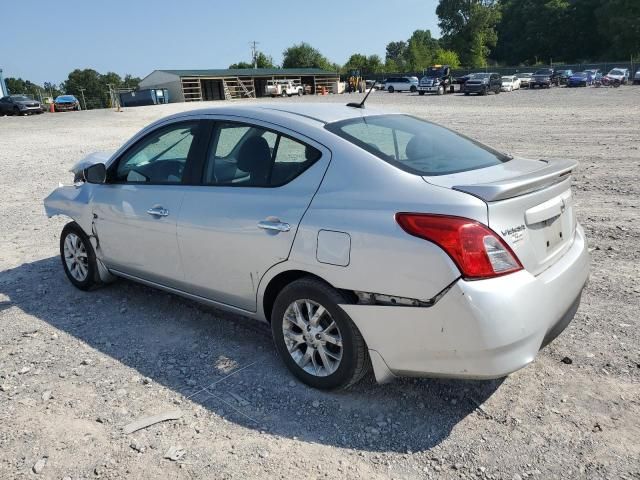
365	239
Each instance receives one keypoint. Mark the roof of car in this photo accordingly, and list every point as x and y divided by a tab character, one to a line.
317	113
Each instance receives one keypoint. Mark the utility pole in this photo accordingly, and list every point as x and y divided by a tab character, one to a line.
254	53
84	102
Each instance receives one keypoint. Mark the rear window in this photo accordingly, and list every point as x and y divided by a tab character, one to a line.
416	146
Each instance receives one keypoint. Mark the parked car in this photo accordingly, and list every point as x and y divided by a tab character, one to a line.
636	78
619	74
283	88
401	84
483	83
276	214
66	103
595	73
580	79
525	78
544	78
437	79
19	105
463	79
563	76
510	83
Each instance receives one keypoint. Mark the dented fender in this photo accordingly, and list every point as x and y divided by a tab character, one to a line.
72	201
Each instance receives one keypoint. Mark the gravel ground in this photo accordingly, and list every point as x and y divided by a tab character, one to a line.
76	367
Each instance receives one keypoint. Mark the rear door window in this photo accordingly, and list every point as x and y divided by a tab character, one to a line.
251	156
415	145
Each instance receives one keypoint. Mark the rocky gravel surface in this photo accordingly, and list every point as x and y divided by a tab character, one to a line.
77	369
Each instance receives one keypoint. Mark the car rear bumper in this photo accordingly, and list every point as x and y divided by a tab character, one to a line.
478	329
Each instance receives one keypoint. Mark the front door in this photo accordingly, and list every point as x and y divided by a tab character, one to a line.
136	211
256	185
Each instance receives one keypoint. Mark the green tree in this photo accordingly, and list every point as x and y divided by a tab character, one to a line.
619	24
469	28
303	55
395	56
421	51
20	86
447	57
262	61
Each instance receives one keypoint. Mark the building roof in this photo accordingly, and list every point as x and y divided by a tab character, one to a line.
249	72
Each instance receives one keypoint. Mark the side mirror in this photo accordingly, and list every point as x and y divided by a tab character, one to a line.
96	173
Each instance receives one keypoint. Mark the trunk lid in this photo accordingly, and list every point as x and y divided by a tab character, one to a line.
529	204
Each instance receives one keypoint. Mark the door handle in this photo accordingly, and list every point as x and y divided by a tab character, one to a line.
274	225
158	212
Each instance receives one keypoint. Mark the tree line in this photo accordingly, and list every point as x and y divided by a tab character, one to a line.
94	85
479	33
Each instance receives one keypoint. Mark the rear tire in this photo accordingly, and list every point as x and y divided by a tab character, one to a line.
306	347
390	89
78	257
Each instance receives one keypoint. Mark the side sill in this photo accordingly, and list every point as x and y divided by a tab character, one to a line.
190	296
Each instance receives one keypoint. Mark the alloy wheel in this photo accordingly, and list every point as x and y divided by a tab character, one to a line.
75	257
312	337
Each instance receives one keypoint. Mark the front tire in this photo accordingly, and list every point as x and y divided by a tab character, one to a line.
413	89
420	93
440	90
78	257
390	89
315	338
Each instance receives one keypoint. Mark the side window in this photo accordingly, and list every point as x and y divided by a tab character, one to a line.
292	158
161	157
249	156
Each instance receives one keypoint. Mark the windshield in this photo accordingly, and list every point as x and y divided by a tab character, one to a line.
543	72
580	74
480	75
416	146
66	98
616	72
507	79
20	98
435	72
524	75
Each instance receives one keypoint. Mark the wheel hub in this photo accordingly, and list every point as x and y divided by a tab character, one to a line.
312	337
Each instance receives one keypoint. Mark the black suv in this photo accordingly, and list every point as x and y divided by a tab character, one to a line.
483	83
544	78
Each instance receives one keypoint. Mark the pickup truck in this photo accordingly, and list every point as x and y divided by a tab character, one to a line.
283	88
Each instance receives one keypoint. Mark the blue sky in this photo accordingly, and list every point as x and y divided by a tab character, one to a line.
44	41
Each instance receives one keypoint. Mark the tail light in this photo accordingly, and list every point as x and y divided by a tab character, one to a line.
475	249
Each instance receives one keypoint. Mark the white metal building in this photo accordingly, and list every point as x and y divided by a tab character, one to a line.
226	84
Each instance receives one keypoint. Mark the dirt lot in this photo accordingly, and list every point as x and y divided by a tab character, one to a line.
76	367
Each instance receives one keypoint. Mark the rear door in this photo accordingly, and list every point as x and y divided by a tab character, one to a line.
256	185
136	211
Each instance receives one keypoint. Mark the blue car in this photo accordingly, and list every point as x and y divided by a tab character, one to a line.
580	79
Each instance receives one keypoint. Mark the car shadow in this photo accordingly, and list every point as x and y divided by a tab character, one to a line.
227	364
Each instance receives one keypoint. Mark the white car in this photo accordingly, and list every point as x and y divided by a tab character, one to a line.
364	238
401	84
510	83
525	78
620	74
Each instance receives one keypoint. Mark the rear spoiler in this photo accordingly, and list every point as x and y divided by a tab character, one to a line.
554	172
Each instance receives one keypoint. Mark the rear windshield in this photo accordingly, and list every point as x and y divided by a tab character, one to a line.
416	146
